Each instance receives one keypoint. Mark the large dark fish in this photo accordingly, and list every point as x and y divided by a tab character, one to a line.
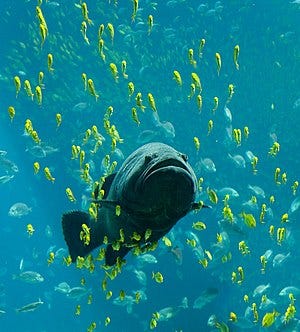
155	187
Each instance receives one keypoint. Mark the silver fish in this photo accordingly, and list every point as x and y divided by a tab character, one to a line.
19	210
6	178
30	277
30	307
205	297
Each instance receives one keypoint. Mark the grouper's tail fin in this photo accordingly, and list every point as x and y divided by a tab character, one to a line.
72	226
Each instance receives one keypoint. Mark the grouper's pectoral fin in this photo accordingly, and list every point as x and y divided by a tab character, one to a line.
111	255
199	206
72	226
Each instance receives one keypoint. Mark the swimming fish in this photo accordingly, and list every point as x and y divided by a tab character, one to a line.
155	187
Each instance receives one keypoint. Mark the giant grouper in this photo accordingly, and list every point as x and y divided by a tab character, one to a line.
153	189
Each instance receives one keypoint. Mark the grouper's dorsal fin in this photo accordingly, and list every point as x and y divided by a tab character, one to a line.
107	184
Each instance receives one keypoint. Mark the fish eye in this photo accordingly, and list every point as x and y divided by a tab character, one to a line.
184	157
147	160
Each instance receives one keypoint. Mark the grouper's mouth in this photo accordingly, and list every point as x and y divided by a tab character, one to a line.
164	166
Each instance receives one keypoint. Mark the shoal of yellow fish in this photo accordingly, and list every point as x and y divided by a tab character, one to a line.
107	50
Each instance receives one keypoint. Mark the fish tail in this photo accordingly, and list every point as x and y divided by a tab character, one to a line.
72	226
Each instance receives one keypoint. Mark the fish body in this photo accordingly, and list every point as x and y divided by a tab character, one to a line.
30	307
207	296
31	277
154	188
19	210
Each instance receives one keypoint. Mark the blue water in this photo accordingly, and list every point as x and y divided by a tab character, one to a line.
266	99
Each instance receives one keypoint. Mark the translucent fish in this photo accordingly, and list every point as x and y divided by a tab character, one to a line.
30	307
228	191
205	297
63	288
289	289
257	191
77	293
19	210
280	259
30	277
228	115
237	160
207	165
261	289
295	205
6	178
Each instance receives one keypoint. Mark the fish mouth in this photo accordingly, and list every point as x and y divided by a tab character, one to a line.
168	188
163	166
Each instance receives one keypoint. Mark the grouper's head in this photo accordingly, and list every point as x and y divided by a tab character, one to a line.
156	182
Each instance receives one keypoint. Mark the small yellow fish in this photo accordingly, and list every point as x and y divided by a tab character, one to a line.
100	31
158	277
84	31
40	79
197	143
191	57
201	47
70	195
36	167
111	30
196	80
27	87
91	88
124	67
84	79
11	112
212	195
135	9
135	116
216	104
269	318
150	24
17	82
30	230
249	219
43	33
107	321
167	241
236	52
218	62
177	77
50	62
139	101
152	102
114	71
130	90
48	175
39	95
210	126
199	225
85	13
58	118
199	102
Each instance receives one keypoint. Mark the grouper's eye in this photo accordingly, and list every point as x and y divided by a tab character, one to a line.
184	157
147	160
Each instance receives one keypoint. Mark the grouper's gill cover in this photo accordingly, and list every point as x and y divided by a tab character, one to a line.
155	187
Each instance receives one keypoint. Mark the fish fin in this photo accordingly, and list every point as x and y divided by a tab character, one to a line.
111	255
198	206
72	226
107	184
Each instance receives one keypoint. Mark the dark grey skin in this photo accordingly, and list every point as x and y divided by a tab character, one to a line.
155	187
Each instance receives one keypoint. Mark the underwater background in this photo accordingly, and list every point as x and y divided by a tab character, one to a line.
232	105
